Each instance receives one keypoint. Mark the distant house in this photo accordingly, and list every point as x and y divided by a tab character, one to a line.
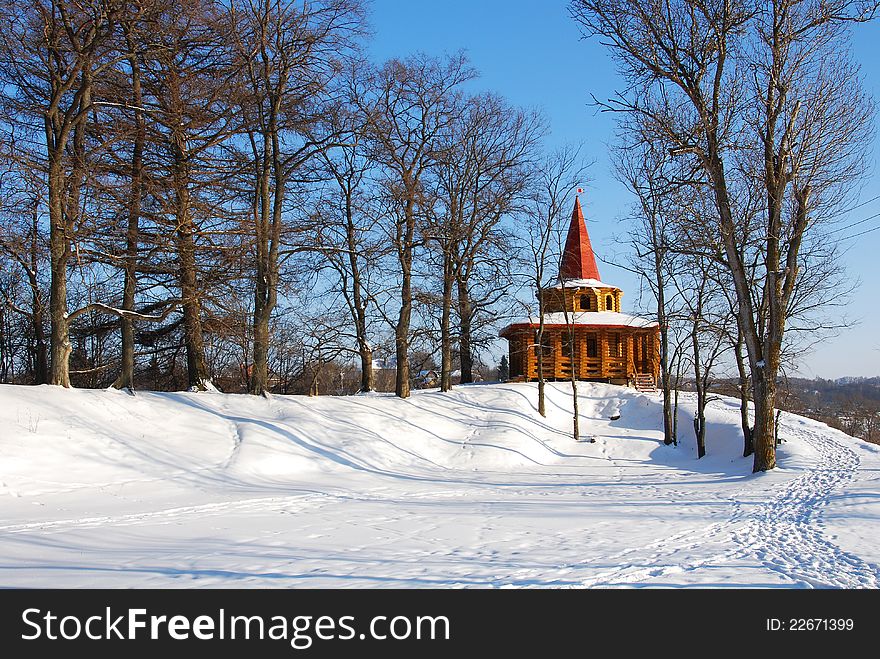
389	364
607	345
431	378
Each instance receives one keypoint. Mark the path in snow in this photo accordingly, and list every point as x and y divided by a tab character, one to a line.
783	534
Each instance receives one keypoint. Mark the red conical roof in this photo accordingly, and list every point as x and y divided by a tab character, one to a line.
578	260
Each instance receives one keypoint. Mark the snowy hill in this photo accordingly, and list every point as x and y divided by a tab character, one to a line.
469	488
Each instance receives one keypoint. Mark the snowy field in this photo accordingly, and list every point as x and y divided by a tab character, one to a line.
466	489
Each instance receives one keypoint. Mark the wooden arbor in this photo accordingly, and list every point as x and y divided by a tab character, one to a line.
584	328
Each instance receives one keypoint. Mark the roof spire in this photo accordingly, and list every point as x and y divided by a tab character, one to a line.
578	260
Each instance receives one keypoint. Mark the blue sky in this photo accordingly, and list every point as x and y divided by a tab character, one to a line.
531	53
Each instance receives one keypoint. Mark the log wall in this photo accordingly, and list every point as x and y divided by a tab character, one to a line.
620	353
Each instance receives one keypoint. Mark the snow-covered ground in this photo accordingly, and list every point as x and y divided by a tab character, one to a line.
466	489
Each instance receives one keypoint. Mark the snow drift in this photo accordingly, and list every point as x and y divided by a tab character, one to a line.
466	488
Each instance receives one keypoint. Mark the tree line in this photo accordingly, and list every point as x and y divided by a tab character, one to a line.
230	190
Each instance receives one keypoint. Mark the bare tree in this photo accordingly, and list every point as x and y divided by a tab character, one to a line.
52	51
135	23
289	54
545	219
348	234
22	242
707	333
416	101
482	176
190	74
645	169
721	81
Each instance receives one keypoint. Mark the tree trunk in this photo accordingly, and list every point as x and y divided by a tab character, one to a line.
668	432
197	376
126	375
699	381
465	348
41	355
59	253
764	433
358	303
575	427
63	209
259	379
445	329
700	415
763	393
700	429
542	407
401	343
401	329
268	218
748	448
366	353
266	275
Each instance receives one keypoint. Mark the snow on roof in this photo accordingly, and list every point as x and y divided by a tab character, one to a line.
603	318
583	283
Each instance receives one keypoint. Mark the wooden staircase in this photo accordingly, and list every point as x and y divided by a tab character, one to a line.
644	382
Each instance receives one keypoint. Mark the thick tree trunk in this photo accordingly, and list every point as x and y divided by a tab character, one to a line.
401	330
259	379
197	375
366	353
762	394
265	281
700	429
59	253
63	209
764	433
465	346
445	327
268	217
401	343
126	375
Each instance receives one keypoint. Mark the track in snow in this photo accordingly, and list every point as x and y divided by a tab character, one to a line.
783	534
